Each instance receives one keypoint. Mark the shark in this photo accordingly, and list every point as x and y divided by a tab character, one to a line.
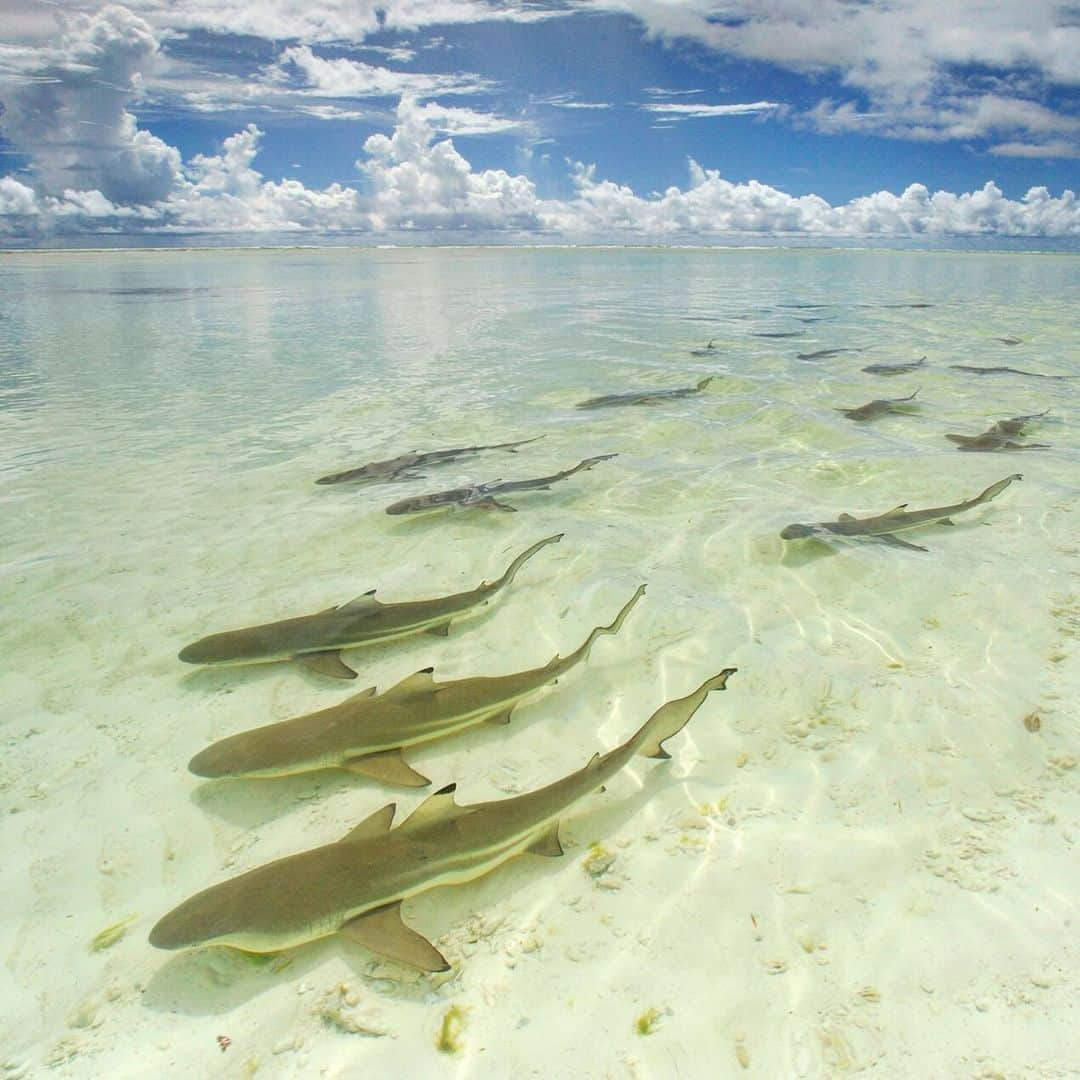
895	369
483	496
403	467
317	640
886	526
822	354
644	397
999	436
356	886
877	407
709	350
366	734
778	333
1000	370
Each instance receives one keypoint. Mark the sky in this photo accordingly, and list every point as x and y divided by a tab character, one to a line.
654	119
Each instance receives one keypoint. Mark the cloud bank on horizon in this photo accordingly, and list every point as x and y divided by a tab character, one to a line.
996	72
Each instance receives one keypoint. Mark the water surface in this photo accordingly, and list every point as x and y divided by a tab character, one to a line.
861	857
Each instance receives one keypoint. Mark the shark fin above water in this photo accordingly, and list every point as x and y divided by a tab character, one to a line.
389	766
373	825
384	932
327	663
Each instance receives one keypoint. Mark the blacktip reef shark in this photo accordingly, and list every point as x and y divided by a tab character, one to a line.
709	350
366	734
402	467
877	407
999	436
317	640
821	354
356	886
976	370
885	526
644	397
895	369
482	496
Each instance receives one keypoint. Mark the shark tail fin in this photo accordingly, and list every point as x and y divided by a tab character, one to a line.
613	627
673	716
521	560
996	489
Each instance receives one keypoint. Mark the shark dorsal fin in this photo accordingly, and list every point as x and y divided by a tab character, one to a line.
845	517
896	510
362	603
419	682
437	807
373	825
384	932
369	692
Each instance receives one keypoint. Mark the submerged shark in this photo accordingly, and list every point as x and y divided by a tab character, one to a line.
401	468
885	526
644	397
367	734
1008	371
877	407
482	496
317	640
821	354
356	886
895	369
999	436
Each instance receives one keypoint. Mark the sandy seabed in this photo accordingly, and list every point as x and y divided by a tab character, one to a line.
861	859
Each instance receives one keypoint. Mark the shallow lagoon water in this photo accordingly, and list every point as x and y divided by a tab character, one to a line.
861	858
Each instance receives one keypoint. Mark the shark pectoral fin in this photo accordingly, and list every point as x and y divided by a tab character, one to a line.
419	682
845	517
500	718
547	843
389	766
895	541
490	503
373	825
326	663
439	631
946	521
383	932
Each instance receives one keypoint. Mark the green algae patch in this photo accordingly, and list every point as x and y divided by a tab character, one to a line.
450	1031
648	1021
108	937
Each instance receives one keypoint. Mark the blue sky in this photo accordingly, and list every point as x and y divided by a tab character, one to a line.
648	117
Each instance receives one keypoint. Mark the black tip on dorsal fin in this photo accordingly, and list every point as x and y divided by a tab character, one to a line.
448	790
426	670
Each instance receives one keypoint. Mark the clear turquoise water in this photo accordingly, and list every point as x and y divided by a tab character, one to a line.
861	859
